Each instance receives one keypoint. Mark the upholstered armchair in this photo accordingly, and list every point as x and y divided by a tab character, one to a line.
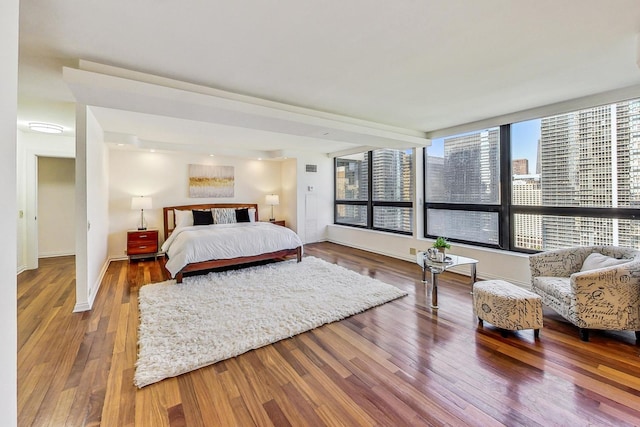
593	287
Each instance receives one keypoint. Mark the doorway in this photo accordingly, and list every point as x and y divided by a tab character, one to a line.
55	207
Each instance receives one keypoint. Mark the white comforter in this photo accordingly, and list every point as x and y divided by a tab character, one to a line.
199	243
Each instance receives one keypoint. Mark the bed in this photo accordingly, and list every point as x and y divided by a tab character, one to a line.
196	247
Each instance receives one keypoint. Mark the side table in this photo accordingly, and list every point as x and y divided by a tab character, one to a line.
142	243
435	267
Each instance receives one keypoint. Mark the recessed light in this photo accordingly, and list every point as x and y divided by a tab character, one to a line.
45	127
210	155
259	158
153	151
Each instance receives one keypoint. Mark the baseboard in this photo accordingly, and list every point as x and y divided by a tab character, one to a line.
462	270
56	254
88	305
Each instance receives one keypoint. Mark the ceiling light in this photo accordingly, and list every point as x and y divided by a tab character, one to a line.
45	127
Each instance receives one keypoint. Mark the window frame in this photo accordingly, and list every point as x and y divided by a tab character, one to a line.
370	204
507	210
500	208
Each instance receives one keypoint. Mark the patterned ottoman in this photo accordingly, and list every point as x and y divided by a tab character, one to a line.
507	306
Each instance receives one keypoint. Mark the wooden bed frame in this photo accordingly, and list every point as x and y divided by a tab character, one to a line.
169	225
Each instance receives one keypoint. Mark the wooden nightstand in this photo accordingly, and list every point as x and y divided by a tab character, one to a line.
142	243
278	222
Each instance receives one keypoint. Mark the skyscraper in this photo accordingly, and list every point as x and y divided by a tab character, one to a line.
468	173
392	181
520	167
591	158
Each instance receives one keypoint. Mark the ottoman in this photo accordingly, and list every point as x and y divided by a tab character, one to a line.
507	306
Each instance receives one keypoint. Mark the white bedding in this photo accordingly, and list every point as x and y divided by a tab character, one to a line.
199	243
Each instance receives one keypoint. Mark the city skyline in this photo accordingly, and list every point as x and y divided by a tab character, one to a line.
525	137
588	159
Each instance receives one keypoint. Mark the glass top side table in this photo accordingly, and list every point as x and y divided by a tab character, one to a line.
435	268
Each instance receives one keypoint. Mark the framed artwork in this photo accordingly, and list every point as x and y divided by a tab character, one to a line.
211	181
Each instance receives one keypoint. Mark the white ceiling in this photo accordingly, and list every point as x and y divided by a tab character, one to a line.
377	72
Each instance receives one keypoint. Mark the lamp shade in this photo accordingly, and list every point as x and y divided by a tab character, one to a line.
272	199
141	203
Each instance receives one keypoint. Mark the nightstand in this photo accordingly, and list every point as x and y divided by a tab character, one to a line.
278	222
142	243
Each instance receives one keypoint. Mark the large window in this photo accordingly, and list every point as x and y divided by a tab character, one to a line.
375	190
560	181
578	179
462	187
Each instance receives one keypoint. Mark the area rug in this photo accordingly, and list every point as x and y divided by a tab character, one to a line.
213	317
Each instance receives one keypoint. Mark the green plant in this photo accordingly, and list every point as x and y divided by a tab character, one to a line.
440	243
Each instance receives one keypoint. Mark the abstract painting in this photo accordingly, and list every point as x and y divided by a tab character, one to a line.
211	181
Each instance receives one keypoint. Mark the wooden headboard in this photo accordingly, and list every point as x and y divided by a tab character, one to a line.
170	220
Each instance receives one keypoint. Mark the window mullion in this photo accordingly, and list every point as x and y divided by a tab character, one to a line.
370	190
505	227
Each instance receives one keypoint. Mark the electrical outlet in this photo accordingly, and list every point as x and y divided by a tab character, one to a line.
412	251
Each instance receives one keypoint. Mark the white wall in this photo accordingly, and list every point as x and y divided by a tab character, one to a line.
164	177
56	206
92	210
8	140
289	193
97	205
30	146
493	264
315	195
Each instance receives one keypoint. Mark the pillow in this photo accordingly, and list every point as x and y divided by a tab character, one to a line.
242	215
182	218
202	217
597	260
252	214
224	215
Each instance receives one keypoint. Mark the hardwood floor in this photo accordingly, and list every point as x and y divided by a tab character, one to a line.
398	364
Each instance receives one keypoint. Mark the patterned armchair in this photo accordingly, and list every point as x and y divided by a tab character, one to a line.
593	287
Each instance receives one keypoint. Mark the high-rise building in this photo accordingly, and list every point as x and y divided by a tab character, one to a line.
352	184
520	167
468	173
591	158
472	167
392	181
528	228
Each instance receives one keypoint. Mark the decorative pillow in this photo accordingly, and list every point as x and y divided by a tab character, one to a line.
242	215
252	214
202	217
183	218
597	260
224	215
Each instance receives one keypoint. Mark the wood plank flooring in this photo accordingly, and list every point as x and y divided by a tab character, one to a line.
400	364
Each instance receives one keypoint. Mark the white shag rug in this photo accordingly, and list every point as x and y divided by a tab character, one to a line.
213	317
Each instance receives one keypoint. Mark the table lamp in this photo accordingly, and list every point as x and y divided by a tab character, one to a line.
142	203
272	200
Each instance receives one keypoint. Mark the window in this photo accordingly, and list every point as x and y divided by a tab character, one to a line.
560	181
462	187
352	185
380	200
582	186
